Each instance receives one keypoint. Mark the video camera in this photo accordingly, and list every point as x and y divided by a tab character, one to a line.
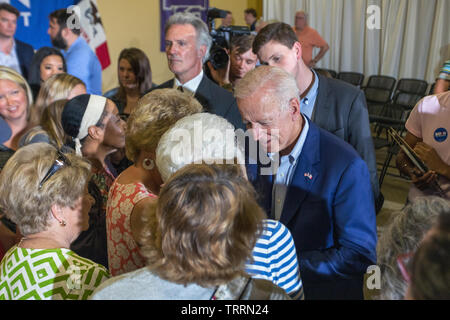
222	38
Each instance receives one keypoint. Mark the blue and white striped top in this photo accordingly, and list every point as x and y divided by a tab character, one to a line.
275	259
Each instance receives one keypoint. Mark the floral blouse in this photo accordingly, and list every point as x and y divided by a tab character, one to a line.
123	252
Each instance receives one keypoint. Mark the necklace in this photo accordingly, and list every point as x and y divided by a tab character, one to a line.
20	242
19	245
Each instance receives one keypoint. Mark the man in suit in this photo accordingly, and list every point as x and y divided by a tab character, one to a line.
331	104
318	186
187	48
14	53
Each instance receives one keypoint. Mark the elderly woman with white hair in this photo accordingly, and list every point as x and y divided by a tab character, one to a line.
211	139
45	192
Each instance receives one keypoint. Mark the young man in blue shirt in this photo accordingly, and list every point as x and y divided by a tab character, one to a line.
81	61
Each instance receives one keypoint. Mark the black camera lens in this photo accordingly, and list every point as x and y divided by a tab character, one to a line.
218	57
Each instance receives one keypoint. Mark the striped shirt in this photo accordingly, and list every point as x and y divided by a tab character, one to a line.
445	72
275	259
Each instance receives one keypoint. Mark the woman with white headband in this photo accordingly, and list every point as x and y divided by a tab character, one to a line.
96	131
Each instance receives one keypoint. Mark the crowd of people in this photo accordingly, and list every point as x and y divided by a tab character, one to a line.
259	182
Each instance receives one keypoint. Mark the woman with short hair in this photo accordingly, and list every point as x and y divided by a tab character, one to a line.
196	239
45	193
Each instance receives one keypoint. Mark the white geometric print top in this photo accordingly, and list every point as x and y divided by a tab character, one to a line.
48	274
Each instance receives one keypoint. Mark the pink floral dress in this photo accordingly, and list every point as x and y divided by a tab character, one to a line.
123	252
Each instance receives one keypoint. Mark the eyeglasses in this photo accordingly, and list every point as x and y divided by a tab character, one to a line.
404	264
60	162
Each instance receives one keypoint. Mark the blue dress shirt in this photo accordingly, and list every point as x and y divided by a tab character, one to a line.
83	63
308	102
285	171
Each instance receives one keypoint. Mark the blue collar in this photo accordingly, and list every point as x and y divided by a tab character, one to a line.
74	45
308	102
295	153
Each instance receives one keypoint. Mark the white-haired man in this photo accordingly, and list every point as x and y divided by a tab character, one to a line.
188	43
321	189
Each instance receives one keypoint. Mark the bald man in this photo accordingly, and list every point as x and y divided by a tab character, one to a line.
309	38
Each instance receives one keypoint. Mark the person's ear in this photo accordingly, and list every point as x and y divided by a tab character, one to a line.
96	133
298	50
57	214
202	51
65	33
294	108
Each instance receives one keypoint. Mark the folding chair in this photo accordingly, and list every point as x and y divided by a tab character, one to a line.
323	71
412	86
378	92
353	78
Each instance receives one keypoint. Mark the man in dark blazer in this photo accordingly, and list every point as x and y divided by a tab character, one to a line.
187	47
15	54
331	104
316	184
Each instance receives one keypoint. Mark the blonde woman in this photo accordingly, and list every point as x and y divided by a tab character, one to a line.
57	87
15	101
45	193
140	183
50	129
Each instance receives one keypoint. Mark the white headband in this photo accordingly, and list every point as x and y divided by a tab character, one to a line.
91	116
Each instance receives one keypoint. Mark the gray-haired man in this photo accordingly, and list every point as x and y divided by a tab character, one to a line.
187	48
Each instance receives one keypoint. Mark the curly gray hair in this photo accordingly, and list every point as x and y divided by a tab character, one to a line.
403	235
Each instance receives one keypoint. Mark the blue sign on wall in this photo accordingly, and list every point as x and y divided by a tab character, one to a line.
170	7
33	23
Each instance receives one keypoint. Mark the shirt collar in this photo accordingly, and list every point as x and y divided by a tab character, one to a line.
191	85
308	102
74	44
13	49
295	153
312	93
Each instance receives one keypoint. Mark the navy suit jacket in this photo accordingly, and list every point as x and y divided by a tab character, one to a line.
342	110
25	54
215	100
329	211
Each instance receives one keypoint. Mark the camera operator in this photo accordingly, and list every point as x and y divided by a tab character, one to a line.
228	20
217	67
226	67
229	41
242	58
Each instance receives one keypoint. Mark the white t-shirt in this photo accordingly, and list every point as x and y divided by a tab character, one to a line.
430	121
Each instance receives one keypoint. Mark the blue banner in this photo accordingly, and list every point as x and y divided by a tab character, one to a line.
170	7
33	23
